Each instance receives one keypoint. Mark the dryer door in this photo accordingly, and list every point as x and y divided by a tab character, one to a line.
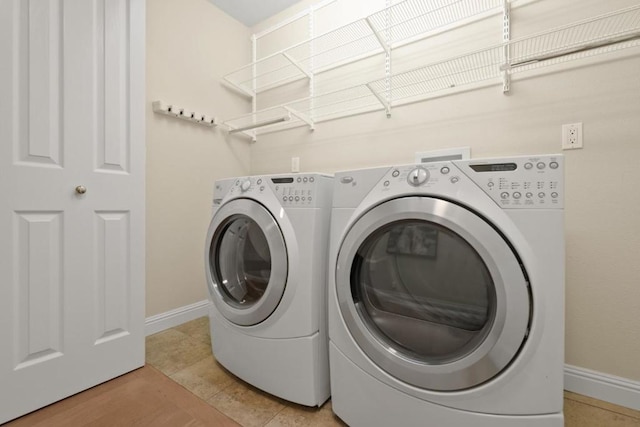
432	293
246	262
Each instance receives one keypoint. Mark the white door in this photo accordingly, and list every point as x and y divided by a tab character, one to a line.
71	263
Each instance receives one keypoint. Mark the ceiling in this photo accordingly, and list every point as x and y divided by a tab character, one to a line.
250	12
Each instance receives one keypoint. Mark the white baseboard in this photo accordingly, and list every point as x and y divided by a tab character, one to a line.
169	319
612	389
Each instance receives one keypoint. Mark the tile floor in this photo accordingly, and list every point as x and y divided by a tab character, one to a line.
184	354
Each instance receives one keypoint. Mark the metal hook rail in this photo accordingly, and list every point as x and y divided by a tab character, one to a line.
180	113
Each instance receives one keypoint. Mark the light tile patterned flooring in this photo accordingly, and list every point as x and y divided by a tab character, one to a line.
184	354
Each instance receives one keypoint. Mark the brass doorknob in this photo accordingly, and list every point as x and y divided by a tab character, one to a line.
81	189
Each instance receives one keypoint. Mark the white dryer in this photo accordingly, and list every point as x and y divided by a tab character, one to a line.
446	294
265	262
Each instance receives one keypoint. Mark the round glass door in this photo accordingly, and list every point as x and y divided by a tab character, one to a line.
242	261
424	290
246	262
432	293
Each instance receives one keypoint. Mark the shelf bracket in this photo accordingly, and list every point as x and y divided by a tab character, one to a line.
381	40
297	65
506	38
252	135
383	101
302	117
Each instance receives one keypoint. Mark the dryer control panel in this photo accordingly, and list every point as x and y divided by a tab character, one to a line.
299	190
520	182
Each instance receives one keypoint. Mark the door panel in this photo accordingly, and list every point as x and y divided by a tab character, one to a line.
38	48
39	286
112	275
72	310
113	145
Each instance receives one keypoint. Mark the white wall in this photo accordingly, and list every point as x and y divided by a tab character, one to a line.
602	198
190	45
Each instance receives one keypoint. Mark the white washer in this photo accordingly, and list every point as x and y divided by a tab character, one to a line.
265	262
446	294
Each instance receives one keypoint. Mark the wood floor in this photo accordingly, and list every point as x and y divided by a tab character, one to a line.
145	397
183	385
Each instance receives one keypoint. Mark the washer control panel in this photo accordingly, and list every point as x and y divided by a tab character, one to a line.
520	182
526	182
422	176
298	190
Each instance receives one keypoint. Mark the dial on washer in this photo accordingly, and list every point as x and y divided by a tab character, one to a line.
418	176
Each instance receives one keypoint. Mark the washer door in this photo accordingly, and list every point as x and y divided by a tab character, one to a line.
246	262
432	293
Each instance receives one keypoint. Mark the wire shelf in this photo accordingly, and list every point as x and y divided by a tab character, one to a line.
452	73
354	100
602	34
388	28
595	36
351	101
413	18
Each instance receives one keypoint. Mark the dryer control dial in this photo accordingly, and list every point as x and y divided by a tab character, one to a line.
246	184
418	176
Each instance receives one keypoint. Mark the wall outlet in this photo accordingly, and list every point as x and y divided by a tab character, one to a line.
295	164
572	136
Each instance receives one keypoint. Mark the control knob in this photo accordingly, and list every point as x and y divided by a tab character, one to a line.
418	176
245	185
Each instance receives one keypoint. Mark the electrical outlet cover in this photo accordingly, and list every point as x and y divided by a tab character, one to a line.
572	136
295	164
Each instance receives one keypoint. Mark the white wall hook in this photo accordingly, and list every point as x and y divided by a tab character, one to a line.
175	111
